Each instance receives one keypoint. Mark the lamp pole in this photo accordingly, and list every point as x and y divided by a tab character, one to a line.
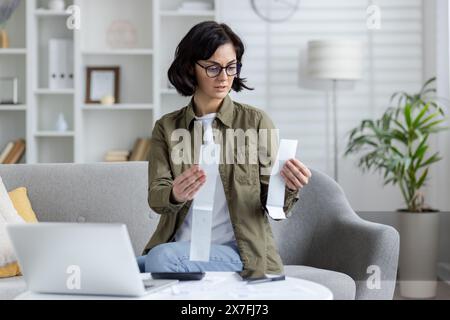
334	60
335	129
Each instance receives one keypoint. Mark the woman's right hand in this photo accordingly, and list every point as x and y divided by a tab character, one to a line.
186	185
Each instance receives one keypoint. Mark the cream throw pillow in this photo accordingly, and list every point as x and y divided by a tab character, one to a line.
8	214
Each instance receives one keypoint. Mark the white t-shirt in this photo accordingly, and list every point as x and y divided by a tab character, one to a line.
222	230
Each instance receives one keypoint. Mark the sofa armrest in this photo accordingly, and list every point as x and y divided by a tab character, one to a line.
336	238
366	251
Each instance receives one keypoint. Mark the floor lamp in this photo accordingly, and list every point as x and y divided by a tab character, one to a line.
335	60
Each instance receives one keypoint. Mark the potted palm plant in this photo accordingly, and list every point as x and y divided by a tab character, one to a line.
397	145
7	8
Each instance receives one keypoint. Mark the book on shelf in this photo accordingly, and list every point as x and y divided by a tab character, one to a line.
125	153
139	152
13	152
6	151
117	156
115	159
141	149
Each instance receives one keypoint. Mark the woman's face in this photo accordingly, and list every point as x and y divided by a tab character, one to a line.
220	86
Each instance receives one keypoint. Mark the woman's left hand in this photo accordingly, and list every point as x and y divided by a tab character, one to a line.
295	174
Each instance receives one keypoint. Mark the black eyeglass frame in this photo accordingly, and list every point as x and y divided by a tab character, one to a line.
238	68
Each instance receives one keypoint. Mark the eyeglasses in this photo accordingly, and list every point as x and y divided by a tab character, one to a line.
214	70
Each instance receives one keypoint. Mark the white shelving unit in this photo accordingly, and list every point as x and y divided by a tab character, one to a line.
176	23
118	107
9	51
190	13
48	13
13	63
125	52
93	129
54	91
55	134
13	107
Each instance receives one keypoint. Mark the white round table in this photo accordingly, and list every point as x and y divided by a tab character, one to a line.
218	286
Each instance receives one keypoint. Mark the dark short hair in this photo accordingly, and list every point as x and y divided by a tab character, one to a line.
200	43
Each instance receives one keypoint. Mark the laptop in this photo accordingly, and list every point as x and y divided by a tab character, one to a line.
85	259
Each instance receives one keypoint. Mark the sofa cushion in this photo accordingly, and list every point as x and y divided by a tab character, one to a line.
10	270
342	286
22	204
8	214
12	287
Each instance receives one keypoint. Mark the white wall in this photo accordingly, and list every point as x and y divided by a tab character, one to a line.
442	170
401	56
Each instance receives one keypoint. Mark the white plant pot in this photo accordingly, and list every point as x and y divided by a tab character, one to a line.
419	238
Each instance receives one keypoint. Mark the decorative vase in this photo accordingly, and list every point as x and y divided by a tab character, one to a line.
419	238
122	34
4	39
108	100
61	123
56	5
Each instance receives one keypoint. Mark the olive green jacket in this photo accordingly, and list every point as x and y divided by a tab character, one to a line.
244	185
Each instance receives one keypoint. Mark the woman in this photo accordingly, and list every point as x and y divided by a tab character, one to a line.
207	67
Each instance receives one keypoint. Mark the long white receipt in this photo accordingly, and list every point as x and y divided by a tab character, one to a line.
276	193
203	204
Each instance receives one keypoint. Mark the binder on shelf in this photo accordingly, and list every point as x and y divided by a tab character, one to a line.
53	64
69	65
62	55
60	64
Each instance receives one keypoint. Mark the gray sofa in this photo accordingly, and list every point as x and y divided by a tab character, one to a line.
324	240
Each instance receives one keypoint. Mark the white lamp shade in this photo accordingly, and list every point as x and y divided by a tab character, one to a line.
335	59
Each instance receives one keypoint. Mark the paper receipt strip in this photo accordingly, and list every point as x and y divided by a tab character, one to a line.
276	193
203	204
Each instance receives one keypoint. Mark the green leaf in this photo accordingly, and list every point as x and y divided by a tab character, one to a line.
434	158
420	152
438	129
407	113
426	84
392	180
399	136
432	124
420	115
422	179
431	90
397	151
398	123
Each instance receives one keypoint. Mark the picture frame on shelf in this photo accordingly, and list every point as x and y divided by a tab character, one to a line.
102	82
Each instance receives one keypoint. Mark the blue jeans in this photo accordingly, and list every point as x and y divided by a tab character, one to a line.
174	257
